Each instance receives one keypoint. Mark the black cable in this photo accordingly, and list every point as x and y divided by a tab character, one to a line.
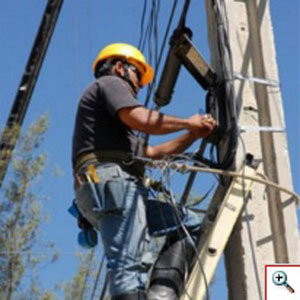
150	35
146	43
155	32
224	94
150	89
156	68
148	29
105	287
98	277
87	273
142	24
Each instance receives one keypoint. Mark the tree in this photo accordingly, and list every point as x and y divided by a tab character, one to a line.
20	218
84	283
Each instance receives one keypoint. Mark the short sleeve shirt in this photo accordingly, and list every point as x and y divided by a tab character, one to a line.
97	126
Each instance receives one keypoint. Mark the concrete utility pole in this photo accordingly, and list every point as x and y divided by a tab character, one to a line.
268	231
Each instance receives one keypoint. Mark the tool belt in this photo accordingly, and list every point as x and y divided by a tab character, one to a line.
119	157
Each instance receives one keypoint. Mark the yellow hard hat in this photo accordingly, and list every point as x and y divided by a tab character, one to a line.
131	54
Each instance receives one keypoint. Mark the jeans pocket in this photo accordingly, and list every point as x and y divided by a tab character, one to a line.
107	197
112	196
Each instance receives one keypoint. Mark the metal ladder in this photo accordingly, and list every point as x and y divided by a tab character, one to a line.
216	235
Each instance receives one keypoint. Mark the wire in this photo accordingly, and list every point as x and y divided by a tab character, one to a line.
235	174
142	24
148	27
105	286
183	168
86	276
151	86
223	90
150	30
143	38
178	219
98	276
154	36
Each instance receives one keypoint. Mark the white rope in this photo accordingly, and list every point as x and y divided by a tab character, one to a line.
183	168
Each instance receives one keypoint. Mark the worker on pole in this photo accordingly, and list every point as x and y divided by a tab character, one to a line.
109	188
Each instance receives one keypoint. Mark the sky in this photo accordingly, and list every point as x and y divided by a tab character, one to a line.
83	28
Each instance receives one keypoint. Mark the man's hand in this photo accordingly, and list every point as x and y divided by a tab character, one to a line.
201	125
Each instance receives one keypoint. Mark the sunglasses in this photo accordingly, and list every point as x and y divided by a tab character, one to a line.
136	71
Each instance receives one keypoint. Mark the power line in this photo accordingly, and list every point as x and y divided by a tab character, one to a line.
142	24
98	277
162	48
184	168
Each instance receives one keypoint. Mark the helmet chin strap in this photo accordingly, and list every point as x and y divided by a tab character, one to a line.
126	77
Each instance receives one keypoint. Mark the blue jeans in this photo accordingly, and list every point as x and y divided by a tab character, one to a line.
118	207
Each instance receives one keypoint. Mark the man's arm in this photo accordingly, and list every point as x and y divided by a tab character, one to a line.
175	146
154	122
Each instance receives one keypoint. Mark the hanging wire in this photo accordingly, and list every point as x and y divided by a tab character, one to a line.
155	32
165	178
166	174
147	41
144	36
99	272
152	30
186	232
148	28
105	287
184	168
151	86
142	24
87	273
162	48
225	148
151	36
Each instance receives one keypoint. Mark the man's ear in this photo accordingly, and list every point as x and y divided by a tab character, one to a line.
119	68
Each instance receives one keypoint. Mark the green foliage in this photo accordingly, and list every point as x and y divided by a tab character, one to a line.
21	216
80	286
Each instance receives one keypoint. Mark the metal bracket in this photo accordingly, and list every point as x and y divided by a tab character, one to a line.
195	63
182	52
268	82
261	129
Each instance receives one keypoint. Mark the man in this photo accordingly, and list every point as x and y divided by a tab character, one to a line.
109	184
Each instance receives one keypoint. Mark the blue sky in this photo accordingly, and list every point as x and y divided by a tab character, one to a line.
83	28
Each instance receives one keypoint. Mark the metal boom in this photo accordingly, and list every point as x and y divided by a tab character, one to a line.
26	87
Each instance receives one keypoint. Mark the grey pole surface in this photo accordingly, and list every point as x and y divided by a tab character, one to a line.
267	143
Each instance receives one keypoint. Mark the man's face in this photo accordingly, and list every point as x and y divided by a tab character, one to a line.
135	77
133	73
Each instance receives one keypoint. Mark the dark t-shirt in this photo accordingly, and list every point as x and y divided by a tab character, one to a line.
97	126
